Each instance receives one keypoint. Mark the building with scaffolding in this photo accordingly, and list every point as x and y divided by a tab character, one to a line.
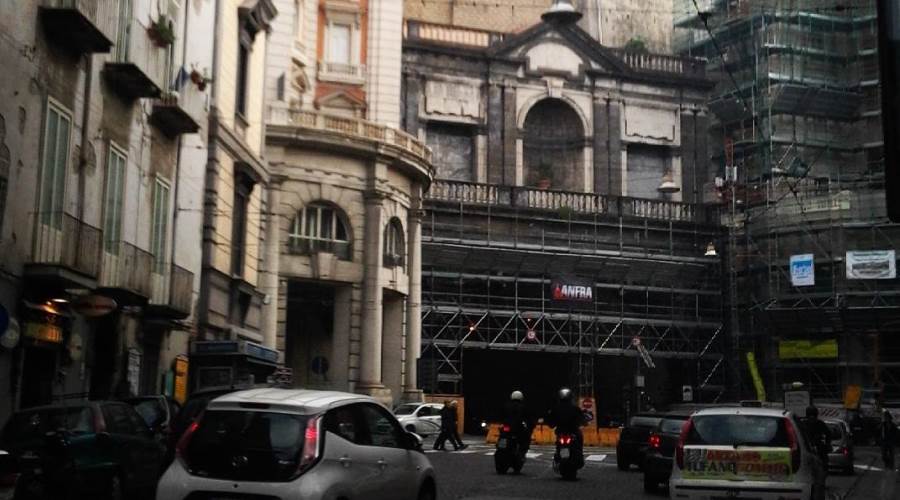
796	134
563	238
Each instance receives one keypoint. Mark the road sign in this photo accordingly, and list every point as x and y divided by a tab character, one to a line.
639	381
687	393
796	401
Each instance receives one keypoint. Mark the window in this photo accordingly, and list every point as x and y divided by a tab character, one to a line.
242	190
342	422
339	49
747	430
53	165
393	244
382	429
243	61
112	200
159	229
118	420
319	228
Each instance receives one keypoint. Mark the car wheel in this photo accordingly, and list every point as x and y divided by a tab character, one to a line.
621	463
426	493
569	473
650	483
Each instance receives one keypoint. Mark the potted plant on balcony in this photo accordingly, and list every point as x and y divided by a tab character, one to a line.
201	80
545	175
161	31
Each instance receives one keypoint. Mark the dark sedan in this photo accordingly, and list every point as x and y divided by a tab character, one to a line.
633	439
94	449
661	445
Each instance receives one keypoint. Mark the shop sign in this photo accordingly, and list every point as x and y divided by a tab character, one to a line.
44	332
871	265
803	270
94	306
181	379
808	349
567	289
729	464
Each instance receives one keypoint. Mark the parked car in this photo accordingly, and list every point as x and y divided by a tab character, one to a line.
422	418
661	445
633	439
298	444
744	452
8	475
841	455
96	449
192	409
157	411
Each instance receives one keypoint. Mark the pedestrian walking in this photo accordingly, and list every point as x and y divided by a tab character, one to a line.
887	435
448	428
454	427
817	432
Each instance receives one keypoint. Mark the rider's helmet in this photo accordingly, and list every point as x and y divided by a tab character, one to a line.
565	394
812	412
516	396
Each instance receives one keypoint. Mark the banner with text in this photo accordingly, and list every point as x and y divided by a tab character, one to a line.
803	271
571	289
871	265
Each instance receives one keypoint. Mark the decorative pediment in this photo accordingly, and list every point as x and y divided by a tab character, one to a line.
560	49
341	100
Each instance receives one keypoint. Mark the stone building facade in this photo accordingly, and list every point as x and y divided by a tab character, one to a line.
560	164
103	145
343	247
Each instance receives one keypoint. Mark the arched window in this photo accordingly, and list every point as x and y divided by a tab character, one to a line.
394	247
320	227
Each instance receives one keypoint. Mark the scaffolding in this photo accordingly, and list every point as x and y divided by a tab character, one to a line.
798	128
491	252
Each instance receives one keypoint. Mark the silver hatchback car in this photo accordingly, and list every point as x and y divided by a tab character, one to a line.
298	444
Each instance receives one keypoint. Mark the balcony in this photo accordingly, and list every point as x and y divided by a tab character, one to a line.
85	26
567	202
342	73
138	66
172	292
125	272
65	252
662	64
179	112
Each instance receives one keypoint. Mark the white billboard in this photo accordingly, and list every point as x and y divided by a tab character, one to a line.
803	271
871	265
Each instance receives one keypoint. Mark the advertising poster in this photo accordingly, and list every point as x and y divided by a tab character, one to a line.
803	272
808	349
572	290
729	464
871	265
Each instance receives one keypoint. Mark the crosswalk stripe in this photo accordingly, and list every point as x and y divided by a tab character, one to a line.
532	455
595	458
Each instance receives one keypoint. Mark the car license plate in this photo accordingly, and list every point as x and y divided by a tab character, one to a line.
501	443
564	453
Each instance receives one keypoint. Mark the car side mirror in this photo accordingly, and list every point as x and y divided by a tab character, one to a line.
413	441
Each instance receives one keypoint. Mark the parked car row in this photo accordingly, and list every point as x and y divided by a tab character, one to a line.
732	452
272	443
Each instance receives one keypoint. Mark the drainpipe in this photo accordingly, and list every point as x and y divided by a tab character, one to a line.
85	136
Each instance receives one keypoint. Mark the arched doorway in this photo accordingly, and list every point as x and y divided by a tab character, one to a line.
553	146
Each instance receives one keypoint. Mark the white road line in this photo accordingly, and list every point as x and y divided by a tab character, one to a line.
868	467
595	458
532	454
489	454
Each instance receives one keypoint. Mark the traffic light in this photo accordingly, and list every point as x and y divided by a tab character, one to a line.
889	52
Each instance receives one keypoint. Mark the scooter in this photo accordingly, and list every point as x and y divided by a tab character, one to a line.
568	457
508	454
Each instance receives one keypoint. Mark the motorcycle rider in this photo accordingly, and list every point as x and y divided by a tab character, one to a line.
567	418
516	417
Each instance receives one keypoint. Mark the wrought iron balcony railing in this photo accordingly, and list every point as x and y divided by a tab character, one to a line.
126	267
62	240
172	291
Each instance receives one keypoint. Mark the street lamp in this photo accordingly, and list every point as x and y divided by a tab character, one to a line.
668	185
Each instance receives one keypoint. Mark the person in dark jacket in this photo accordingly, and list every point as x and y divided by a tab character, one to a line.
515	415
817	432
446	418
454	427
887	438
567	418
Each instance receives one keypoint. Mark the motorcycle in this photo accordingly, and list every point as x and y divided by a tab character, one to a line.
509	453
568	457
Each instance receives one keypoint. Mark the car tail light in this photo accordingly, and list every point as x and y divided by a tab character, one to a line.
505	428
679	450
99	423
311	445
845	451
9	480
654	441
565	439
185	440
793	443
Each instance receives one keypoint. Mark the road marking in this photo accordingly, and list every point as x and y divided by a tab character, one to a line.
595	458
489	454
532	454
466	452
868	467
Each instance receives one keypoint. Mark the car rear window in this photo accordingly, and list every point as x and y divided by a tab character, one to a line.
671	425
835	430
150	410
738	430
640	421
247	445
30	425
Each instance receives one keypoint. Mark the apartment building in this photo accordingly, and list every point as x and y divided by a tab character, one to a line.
343	250
102	125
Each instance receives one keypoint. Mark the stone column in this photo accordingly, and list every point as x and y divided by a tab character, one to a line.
270	278
372	312
414	298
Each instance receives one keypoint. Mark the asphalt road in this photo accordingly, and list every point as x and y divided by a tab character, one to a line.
469	474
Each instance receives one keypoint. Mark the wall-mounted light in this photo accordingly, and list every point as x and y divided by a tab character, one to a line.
668	185
711	250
